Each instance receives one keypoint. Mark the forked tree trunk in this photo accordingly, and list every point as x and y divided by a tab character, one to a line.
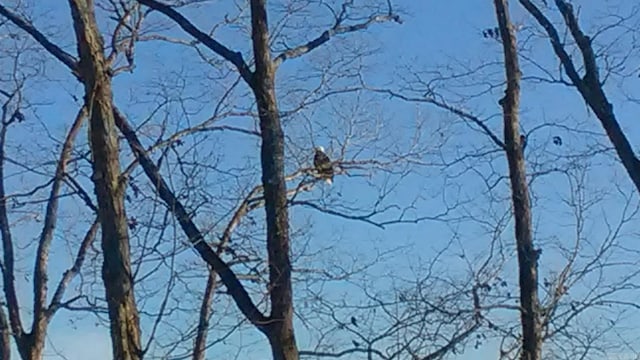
527	255
30	345
116	268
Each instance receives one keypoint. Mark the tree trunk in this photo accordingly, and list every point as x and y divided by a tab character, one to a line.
527	255
5	339
200	343
280	331
116	268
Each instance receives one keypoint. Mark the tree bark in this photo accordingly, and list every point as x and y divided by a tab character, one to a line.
8	260
5	336
281	334
116	267
200	343
527	255
27	347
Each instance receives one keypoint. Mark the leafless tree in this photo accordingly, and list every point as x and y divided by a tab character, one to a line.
460	92
193	181
273	193
278	326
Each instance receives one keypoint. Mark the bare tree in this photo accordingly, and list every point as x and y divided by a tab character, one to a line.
278	326
550	152
194	128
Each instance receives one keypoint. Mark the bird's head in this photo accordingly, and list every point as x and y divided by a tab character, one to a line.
320	148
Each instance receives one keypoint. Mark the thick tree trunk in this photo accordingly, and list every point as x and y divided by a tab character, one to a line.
116	268
280	331
29	347
527	255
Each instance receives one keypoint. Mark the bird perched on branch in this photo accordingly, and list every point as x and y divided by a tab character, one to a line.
323	165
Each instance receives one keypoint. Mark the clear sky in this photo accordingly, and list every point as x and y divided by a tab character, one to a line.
436	38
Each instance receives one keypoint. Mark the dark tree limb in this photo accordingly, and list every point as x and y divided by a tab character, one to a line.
338	29
231	56
52	48
200	343
234	287
589	85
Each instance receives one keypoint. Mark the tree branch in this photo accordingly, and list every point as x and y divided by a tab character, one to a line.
199	345
50	219
237	291
337	29
56	301
442	105
233	57
556	43
588	86
228	277
439	354
583	41
52	48
366	218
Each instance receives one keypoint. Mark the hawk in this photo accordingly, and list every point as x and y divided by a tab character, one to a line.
323	165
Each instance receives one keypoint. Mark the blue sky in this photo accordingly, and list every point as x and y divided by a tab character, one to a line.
435	35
